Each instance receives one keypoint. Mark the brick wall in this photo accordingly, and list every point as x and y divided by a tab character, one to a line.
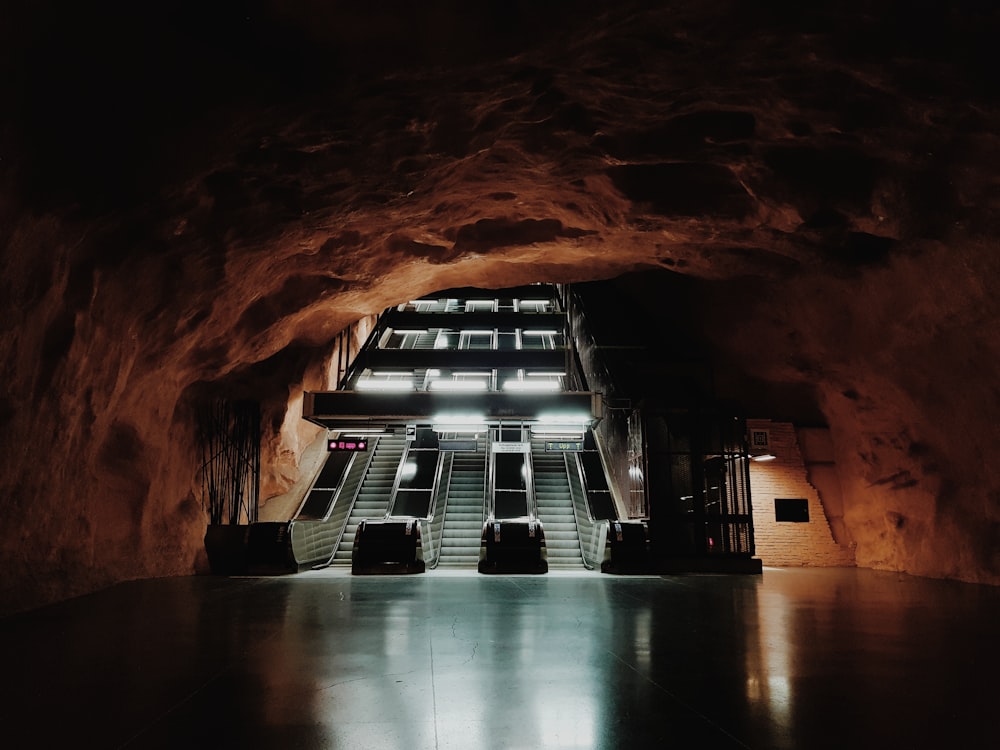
791	544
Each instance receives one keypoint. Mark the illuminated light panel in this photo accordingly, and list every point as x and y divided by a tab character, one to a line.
532	386
462	428
458	423
448	416
458	385
554	434
395	386
539	333
580	420
764	457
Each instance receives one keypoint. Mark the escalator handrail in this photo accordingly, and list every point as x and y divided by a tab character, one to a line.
354	498
434	540
312	485
587	514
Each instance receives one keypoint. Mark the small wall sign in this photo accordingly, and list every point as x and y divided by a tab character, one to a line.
351	444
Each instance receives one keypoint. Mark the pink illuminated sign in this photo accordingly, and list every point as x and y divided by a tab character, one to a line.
349	444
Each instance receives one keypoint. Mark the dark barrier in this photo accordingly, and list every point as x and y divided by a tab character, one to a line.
629	550
226	546
387	547
513	546
269	548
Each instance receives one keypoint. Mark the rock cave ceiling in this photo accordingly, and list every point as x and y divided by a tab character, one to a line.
317	147
203	190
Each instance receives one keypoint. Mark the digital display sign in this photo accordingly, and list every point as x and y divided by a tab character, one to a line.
564	445
347	444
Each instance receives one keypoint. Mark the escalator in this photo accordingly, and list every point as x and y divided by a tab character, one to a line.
463	520
375	493
319	524
554	505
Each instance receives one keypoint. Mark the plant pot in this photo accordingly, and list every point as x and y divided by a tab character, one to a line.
226	546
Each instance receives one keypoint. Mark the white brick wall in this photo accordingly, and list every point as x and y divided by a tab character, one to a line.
786	544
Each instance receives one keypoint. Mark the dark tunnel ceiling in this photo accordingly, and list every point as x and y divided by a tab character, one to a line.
112	102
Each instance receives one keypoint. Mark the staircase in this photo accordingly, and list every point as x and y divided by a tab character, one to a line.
463	519
375	493
555	508
425	340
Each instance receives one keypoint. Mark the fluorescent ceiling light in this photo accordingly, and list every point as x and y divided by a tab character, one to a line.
463	429
395	386
532	386
359	431
763	457
409	331
538	333
562	419
458	422
458	385
547	429
465	425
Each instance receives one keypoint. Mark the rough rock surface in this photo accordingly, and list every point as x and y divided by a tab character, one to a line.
197	200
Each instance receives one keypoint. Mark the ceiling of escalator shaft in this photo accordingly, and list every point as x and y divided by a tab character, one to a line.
210	192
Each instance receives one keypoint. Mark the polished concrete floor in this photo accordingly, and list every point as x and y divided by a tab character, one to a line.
835	658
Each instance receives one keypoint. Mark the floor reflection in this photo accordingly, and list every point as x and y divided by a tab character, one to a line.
791	659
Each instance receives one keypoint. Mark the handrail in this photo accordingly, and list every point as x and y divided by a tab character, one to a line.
435	525
354	498
489	502
531	501
621	506
350	370
396	480
340	486
581	508
320	465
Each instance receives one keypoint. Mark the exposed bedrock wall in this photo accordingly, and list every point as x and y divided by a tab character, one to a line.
103	370
901	357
